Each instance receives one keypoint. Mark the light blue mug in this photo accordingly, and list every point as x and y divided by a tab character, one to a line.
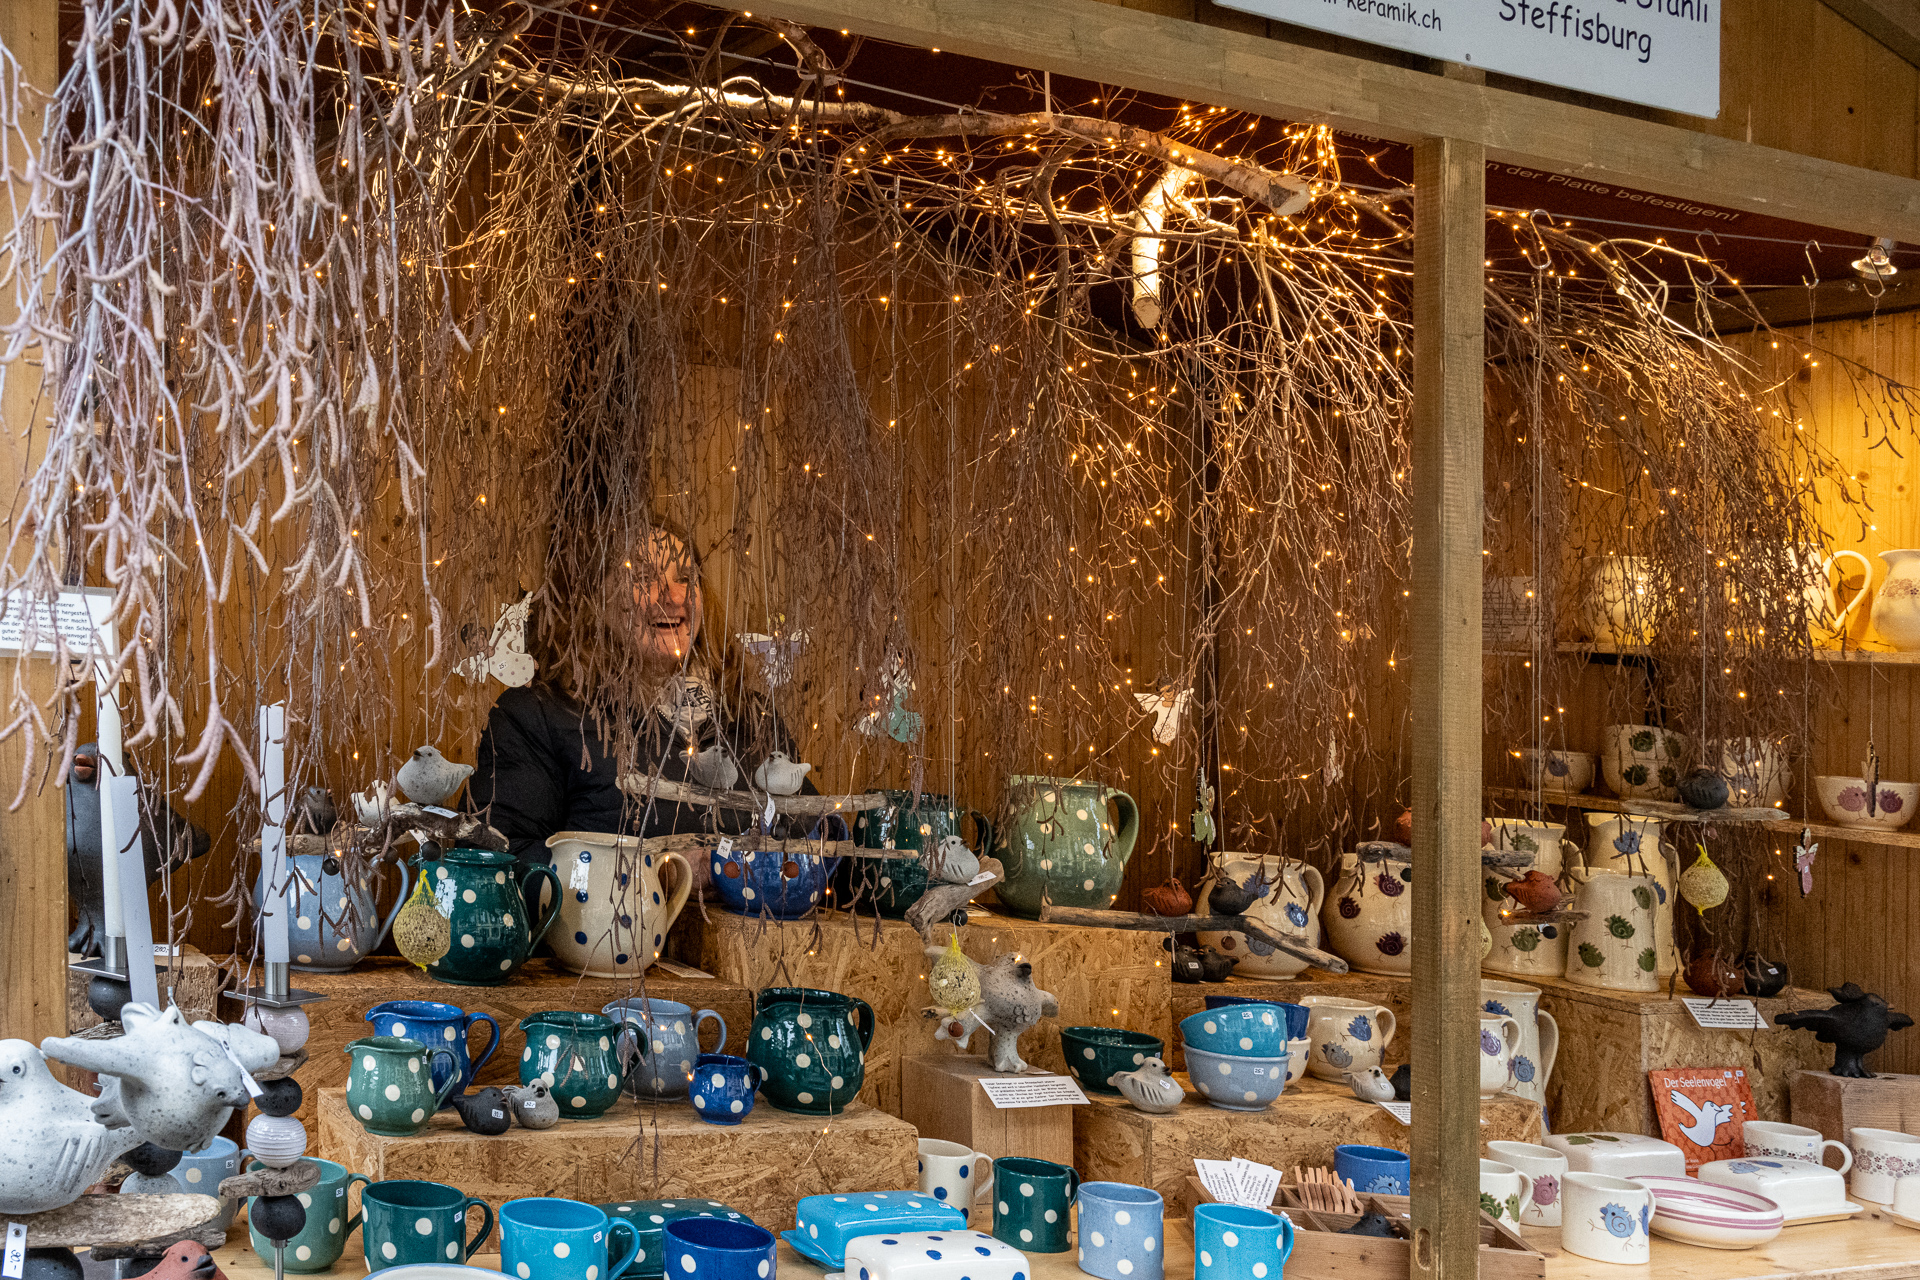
202	1172
1122	1231
1233	1242
546	1238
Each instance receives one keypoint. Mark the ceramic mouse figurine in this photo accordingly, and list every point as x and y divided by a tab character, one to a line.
431	778
1855	1026
779	776
1150	1087
533	1106
56	1147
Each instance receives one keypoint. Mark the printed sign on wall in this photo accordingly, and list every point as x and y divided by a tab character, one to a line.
1663	53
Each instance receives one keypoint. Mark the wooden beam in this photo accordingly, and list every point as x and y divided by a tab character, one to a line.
33	847
1449	416
1138	50
1894	23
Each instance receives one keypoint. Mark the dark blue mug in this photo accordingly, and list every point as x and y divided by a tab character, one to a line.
723	1086
717	1249
1296	1013
1373	1170
437	1026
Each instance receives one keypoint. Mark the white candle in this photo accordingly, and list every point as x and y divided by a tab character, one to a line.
273	836
109	764
120	796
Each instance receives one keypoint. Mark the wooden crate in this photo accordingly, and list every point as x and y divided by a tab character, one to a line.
1834	1104
1116	1142
942	1098
762	1166
1101	977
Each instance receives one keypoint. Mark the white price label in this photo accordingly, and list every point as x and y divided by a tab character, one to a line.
1726	1015
1401	1111
1008	1092
246	1077
16	1257
724	849
766	818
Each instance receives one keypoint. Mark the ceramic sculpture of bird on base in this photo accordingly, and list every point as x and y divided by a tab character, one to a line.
1150	1087
1855	1026
1370	1085
779	776
431	778
951	862
713	768
56	1147
1008	1004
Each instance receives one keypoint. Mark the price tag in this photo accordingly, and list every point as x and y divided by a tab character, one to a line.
434	808
1726	1015
1008	1092
982	878
724	849
1401	1111
766	818
16	1256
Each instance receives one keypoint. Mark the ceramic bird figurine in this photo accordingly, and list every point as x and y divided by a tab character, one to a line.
1230	899
1372	1223
1150	1087
1168	898
1402	1082
484	1111
779	776
187	1260
951	862
954	980
1370	1085
431	778
1216	966
1703	789
1009	1004
533	1106
713	768
1855	1026
168	1079
56	1147
1703	884
372	805
1537	891
420	931
315	811
254	1050
1186	966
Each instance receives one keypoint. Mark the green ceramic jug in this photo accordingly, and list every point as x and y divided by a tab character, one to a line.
811	1046
1059	844
891	885
573	1054
390	1084
484	896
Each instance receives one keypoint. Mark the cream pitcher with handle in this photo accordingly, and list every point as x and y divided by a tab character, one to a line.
1896	609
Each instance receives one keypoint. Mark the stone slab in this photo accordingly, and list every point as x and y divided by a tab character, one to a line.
762	1166
1101	977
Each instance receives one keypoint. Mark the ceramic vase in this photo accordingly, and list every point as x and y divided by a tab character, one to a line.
1634	845
891	885
1616	947
1290	907
1060	845
614	914
1347	1035
1539	1045
573	1055
335	914
1896	608
1523	950
390	1085
484	897
1369	915
1499	1037
1641	761
812	1045
1620	605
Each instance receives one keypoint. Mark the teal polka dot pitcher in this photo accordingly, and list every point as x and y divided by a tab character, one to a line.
483	896
812	1048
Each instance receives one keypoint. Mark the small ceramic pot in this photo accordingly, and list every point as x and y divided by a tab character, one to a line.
390	1084
812	1046
1766	1139
443	1026
1564	772
717	1249
950	1172
1640	761
1261	1242
784	886
1505	1192
1499	1037
1373	1170
891	885
722	1088
614	916
1254	1030
1033	1203
1236	1083
1122	1231
1347	1035
405	1222
1881	1157
201	1172
544	1238
316	1246
573	1055
1605	1218
1546	1167
1845	800
1095	1053
484	896
659	1039
1539	1046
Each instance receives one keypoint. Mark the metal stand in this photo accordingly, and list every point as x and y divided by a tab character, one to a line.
275	993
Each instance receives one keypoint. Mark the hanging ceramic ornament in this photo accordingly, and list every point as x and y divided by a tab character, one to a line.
1803	855
1169	707
1203	829
775	652
1703	885
506	658
893	718
421	933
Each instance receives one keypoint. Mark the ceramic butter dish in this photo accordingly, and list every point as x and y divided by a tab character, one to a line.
1618	1155
934	1255
824	1224
649	1219
1806	1192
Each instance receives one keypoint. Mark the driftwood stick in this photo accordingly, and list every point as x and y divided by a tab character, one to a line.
1506	861
637	784
119	1222
1099	919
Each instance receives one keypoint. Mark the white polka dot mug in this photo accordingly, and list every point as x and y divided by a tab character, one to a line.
1033	1203
717	1249
316	1246
405	1221
950	1173
1122	1231
390	1084
545	1238
201	1172
1233	1242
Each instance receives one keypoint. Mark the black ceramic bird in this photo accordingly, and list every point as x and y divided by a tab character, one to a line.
1186	963
1855	1026
485	1112
1372	1224
1764	977
1402	1082
1703	789
315	811
1215	967
1230	899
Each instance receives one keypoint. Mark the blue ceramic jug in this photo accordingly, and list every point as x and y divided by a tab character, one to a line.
334	924
437	1025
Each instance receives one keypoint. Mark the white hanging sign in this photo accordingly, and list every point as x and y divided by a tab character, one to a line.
1663	53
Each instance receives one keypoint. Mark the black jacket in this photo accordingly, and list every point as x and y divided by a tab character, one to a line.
544	768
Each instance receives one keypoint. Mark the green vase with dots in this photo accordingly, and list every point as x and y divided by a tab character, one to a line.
1066	842
484	897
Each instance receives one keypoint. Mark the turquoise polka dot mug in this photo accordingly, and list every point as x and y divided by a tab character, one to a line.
544	1238
406	1221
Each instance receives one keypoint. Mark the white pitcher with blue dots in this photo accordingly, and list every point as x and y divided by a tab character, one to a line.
614	913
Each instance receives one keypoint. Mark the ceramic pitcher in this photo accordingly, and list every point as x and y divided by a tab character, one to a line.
1524	949
1539	1036
441	1025
891	885
336	920
613	914
1369	914
573	1055
1616	946
1896	609
1621	600
1826	616
390	1084
1347	1035
1290	906
481	894
1499	1037
1633	845
812	1045
660	1040
1641	761
1060	846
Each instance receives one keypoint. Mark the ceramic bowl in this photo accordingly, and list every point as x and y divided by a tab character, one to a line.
1803	1190
1570	771
1236	1082
1296	1013
1095	1053
1299	1054
1845	800
827	1222
1710	1215
1373	1170
935	1255
1248	1030
1618	1155
649	1219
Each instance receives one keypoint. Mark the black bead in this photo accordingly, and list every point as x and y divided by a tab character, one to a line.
54	1264
279	1097
277	1217
151	1160
107	996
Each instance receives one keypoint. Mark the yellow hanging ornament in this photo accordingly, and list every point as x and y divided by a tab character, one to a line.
954	981
421	933
1702	884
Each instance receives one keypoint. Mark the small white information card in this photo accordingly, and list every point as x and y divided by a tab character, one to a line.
1726	1015
1008	1092
16	1256
1401	1111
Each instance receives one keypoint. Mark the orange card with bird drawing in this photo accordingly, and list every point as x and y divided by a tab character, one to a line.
1702	1111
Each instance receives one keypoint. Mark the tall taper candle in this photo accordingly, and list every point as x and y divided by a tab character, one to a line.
110	763
273	836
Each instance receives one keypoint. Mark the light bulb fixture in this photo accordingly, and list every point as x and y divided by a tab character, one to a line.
1878	264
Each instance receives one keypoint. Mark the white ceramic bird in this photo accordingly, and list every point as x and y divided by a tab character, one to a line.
171	1081
779	776
951	862
431	778
713	768
1009	1004
254	1048
56	1147
1150	1087
372	805
1371	1085
532	1105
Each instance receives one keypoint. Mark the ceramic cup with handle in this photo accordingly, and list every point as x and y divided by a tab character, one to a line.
1505	1192
1881	1157
1605	1218
950	1173
1347	1035
1547	1168
390	1083
202	1172
404	1221
316	1246
1766	1139
544	1238
1373	1170
437	1024
717	1249
1121	1231
1032	1202
1233	1242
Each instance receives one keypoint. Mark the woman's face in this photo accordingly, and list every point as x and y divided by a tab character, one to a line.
666	597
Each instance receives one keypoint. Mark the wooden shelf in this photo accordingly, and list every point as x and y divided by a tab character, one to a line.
1854	657
1788	826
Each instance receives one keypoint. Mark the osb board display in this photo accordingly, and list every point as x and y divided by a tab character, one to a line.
539	986
1114	1141
196	986
762	1166
1101	977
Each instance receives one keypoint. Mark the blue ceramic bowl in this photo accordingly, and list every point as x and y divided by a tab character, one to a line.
1248	1030
717	1249
1095	1053
1236	1082
1296	1013
1373	1170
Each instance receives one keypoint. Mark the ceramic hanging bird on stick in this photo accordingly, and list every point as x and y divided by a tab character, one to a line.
431	778
1537	891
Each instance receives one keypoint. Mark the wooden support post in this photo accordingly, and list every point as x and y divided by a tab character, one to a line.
33	851
1448	424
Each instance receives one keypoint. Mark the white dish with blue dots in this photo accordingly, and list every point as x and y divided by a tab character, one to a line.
934	1255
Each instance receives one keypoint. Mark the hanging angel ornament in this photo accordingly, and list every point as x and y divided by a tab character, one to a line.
1803	855
1169	707
892	717
506	658
775	652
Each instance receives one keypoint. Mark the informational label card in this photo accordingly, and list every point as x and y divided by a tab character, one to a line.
1664	53
74	616
1401	1111
1008	1092
1726	1015
1239	1181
